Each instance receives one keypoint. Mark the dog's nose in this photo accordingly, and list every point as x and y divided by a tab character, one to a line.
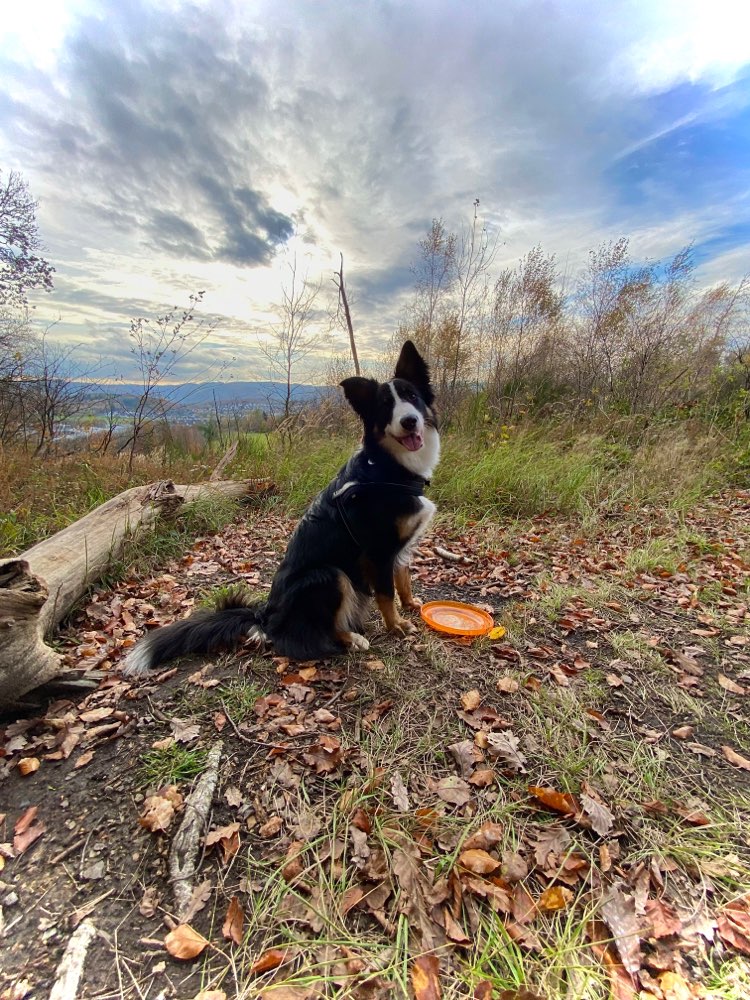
408	423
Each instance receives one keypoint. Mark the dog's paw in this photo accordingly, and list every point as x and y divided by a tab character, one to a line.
357	641
413	605
403	628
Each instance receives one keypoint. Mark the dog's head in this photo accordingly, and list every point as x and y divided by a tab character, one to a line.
398	415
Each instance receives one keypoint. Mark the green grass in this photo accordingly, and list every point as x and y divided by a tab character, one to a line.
524	475
544	467
171	765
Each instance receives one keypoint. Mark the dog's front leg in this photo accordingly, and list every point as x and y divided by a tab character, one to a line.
385	598
402	579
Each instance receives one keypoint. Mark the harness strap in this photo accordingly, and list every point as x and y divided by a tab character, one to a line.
341	495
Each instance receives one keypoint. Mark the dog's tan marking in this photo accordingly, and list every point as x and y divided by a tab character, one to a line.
402	579
391	618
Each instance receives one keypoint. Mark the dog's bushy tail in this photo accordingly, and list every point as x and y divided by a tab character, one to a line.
235	617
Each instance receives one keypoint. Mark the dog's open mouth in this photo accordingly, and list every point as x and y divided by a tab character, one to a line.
412	442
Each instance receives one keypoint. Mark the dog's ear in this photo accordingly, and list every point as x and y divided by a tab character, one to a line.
412	367
362	395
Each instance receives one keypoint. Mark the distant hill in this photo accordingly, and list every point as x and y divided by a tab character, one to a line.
198	394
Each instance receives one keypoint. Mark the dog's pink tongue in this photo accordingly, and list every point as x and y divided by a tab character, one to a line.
412	441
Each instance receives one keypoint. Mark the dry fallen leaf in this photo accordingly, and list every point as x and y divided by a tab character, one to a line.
556	897
234	921
683	732
478	861
84	759
185	731
486	837
598	812
453	790
729	685
505	746
466	754
272	827
482	777
735	758
618	910
270	959
471	700
398	792
515	867
184	942
733	924
507	685
424	978
159	810
674	986
149	903
560	802
228	839
28	765
663	919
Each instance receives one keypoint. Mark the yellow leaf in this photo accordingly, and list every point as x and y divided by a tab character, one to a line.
556	897
496	633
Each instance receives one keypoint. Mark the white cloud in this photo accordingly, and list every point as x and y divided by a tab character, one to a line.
173	146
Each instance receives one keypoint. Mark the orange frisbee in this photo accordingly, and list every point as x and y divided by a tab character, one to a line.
455	618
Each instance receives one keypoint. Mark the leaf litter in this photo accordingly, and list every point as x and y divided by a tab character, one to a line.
419	846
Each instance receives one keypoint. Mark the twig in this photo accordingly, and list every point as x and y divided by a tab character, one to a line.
185	846
261	743
233	724
70	849
71	966
451	556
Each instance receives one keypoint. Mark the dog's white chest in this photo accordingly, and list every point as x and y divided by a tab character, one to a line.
413	527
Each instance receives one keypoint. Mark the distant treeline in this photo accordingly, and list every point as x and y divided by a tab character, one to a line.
619	336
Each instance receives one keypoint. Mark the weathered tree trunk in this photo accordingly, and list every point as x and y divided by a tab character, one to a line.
39	588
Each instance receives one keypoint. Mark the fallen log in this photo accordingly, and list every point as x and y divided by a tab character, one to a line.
41	586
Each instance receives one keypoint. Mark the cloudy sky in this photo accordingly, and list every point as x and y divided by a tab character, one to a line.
178	146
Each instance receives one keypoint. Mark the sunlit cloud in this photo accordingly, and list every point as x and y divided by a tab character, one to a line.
181	147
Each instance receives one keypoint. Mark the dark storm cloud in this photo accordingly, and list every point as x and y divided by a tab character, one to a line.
154	127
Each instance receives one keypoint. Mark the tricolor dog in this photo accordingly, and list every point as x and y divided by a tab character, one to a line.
354	542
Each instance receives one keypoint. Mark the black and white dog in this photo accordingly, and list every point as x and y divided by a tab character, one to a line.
355	540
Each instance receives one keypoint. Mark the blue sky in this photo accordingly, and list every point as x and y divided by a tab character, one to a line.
182	146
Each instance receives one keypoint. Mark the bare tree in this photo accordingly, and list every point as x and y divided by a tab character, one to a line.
292	339
474	259
435	272
57	391
22	266
338	280
158	347
523	334
18	347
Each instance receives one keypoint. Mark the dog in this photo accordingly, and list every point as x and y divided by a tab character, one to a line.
354	542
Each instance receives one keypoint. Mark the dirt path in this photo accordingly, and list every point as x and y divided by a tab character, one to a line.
562	811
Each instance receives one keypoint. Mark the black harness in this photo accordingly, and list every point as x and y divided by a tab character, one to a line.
351	490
